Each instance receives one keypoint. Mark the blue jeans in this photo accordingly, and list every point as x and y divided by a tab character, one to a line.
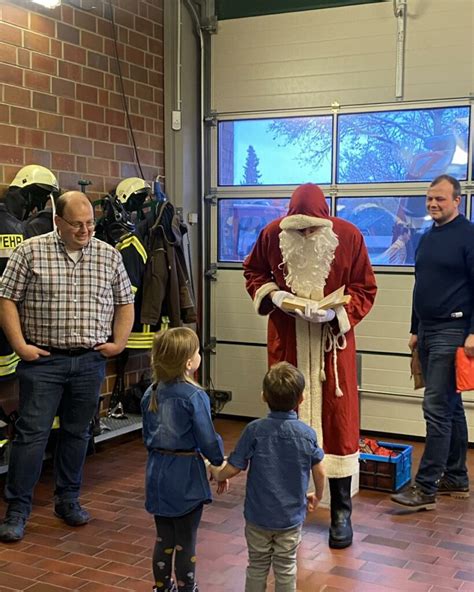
446	429
67	386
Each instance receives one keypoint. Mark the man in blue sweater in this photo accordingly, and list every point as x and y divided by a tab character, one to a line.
442	320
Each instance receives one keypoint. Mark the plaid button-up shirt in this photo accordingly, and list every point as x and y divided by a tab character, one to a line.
63	303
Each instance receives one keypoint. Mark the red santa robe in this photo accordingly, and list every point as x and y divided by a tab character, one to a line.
325	353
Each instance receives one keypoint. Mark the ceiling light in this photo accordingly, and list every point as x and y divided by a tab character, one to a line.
48	3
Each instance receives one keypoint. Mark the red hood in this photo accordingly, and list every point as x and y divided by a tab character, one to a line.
308	200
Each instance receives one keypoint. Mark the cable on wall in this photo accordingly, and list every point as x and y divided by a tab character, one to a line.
122	88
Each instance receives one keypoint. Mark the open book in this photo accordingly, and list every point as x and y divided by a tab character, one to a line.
333	299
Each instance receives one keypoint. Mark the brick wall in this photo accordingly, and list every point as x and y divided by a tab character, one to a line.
60	97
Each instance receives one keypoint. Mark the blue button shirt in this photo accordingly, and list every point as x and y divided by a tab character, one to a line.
281	451
176	485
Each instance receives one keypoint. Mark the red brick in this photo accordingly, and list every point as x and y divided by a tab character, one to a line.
8	134
36	42
103	98
42	157
75	127
37	81
109	81
92	77
43	25
50	122
128	170
114	171
124	153
4	113
67	14
98	132
148	109
11	155
56	49
128	86
138	123
63	88
44	102
116	101
113	117
139	74
109	49
99	166
134	55
30	138
24	58
72	53
85	21
104	28
63	162
155	46
43	63
69	107
26	117
81	163
86	93
144	25
93	113
67	33
7	53
104	150
149	61
10	34
133	106
57	142
92	41
144	92
81	146
124	68
15	15
14	95
98	61
155	14
69	71
119	135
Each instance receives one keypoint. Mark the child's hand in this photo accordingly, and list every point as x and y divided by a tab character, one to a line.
222	486
311	502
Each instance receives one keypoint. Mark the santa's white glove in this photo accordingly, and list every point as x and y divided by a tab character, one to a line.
280	295
312	314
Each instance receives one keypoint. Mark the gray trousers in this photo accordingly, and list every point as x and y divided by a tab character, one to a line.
268	548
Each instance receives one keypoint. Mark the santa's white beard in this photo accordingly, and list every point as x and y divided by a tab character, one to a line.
307	260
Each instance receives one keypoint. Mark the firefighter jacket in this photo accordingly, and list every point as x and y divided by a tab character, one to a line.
11	235
155	262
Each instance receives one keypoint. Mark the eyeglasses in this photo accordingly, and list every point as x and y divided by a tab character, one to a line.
78	225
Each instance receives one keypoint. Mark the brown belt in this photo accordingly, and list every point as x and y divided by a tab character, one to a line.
177	452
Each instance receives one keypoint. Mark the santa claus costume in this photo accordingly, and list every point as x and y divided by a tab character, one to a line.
310	254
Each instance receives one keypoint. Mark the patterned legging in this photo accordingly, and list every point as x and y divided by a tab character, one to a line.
176	538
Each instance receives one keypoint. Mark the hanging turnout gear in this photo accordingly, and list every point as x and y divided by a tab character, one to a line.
11	235
30	190
132	193
114	223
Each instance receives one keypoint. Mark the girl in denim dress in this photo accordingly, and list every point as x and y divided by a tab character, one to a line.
178	432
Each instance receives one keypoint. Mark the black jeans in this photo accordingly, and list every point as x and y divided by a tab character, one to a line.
176	537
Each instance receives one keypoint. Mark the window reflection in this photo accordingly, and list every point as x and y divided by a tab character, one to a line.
391	226
406	145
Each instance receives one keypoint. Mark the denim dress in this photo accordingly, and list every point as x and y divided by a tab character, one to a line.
176	485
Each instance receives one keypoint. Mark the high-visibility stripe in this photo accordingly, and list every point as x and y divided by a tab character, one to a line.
140	340
134	241
8	364
10	241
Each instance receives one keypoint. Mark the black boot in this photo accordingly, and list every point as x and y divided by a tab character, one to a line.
340	533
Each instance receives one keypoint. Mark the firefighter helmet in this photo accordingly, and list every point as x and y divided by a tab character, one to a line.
35	174
36	184
132	192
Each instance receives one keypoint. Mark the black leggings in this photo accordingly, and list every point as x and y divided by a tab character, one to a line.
176	537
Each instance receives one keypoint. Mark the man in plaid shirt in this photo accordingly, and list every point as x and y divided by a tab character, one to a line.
66	305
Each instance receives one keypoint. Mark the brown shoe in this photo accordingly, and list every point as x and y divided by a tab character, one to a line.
445	487
414	498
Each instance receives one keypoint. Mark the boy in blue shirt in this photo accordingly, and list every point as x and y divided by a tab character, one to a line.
282	452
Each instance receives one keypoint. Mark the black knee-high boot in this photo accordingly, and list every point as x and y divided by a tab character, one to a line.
340	533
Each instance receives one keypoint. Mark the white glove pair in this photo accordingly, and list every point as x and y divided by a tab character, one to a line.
311	312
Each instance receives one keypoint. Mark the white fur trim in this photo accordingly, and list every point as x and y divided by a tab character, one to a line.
341	466
301	221
261	293
342	319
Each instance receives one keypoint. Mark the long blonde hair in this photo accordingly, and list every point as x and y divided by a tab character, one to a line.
171	350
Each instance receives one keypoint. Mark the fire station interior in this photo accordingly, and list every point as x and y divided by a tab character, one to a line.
216	111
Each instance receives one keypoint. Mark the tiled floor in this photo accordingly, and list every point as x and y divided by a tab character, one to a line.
392	550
